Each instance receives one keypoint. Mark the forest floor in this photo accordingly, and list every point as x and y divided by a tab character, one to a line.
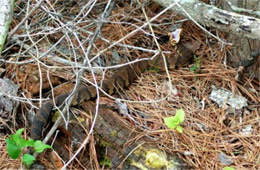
214	135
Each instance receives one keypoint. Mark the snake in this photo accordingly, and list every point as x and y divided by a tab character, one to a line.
121	79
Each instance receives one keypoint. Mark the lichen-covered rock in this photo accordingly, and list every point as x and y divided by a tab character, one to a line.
7	90
225	97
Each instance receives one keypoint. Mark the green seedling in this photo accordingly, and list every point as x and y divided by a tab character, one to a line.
174	122
196	65
228	168
15	145
28	159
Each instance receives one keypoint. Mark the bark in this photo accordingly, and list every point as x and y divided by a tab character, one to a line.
244	47
243	31
212	16
6	11
111	129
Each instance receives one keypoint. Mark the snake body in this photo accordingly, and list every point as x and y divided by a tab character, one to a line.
121	79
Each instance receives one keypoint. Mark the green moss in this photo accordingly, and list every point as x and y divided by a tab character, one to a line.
152	158
106	162
114	133
55	116
156	159
155	69
104	143
102	157
138	165
138	151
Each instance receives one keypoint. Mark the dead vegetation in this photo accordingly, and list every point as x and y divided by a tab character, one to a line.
208	129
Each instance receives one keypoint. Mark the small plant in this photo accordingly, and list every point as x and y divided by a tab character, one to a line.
155	69
196	65
174	122
228	168
106	162
15	144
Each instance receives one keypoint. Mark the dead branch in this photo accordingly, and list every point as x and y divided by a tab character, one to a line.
212	16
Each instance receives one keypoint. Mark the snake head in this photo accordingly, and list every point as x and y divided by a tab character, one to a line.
175	36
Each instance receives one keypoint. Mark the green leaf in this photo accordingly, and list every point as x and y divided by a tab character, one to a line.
196	64
16	138
228	168
20	141
19	131
171	122
28	159
12	149
24	143
175	121
29	142
194	67
180	114
39	146
179	129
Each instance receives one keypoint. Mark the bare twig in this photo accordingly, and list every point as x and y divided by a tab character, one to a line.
37	53
24	19
133	32
105	14
201	27
212	16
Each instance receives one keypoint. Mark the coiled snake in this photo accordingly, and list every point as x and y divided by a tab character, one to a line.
122	78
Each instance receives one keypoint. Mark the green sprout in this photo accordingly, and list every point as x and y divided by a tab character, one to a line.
174	122
196	65
228	168
15	144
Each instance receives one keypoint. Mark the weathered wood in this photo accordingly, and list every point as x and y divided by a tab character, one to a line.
6	11
244	47
243	31
211	16
111	129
